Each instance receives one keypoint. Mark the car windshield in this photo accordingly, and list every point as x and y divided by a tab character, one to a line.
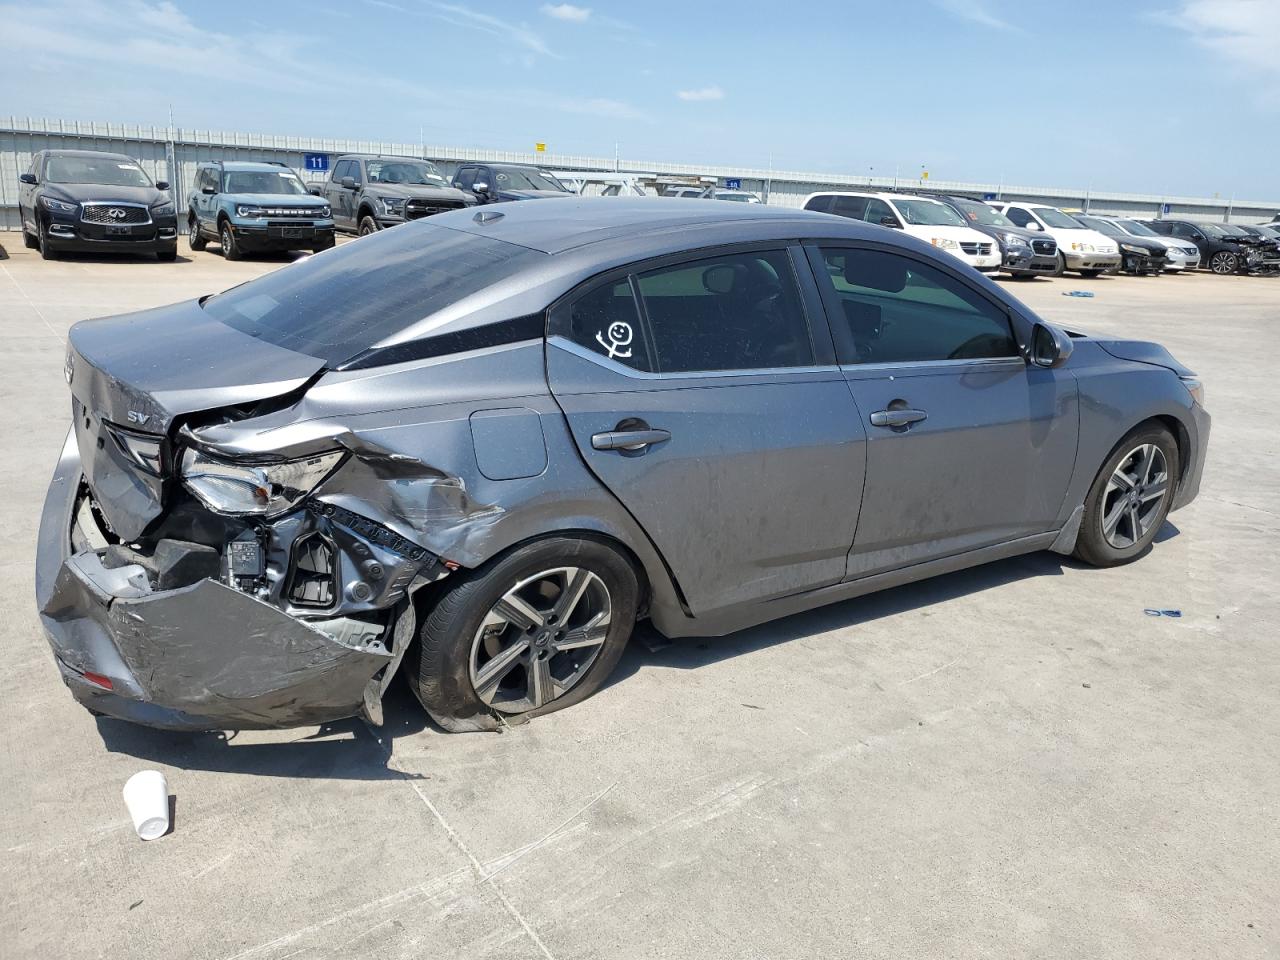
1138	229
1213	230
1102	226
337	306
1271	232
107	171
516	178
417	173
262	181
1056	218
981	213
927	213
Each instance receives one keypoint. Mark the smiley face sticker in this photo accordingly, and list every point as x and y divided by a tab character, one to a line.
619	339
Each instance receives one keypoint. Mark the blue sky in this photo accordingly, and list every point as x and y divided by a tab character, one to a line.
1179	97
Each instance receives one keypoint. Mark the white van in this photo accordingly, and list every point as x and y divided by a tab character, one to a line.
930	220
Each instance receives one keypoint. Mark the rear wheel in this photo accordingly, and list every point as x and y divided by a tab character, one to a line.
535	631
1129	499
230	245
1223	262
194	238
368	225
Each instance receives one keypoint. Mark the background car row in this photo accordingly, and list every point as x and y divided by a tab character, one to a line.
77	200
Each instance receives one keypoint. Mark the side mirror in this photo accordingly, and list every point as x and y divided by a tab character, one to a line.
208	190
28	178
162	184
480	187
348	183
1032	225
315	191
890	222
1050	347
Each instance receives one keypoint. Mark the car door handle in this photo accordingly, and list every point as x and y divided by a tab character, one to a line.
897	418
628	439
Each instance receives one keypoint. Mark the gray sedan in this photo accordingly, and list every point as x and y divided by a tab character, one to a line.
478	448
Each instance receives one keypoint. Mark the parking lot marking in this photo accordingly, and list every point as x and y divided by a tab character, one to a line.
43	319
475	864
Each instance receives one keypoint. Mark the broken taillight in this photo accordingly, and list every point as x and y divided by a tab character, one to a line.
98	680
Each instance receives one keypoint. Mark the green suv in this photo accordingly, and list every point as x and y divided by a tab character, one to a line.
248	207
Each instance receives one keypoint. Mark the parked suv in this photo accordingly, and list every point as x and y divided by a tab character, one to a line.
83	200
370	192
250	207
1220	250
1081	249
1024	253
931	220
499	182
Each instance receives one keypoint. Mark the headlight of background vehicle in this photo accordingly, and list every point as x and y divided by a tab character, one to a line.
1130	248
59	206
163	209
325	212
392	205
1013	240
1082	247
247	210
945	243
259	489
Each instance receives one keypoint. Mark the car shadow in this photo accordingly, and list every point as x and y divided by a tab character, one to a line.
650	649
348	749
77	257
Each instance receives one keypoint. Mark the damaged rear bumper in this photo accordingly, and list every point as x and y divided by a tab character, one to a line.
202	656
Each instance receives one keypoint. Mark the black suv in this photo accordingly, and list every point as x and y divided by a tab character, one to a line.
1023	253
82	200
1221	250
498	182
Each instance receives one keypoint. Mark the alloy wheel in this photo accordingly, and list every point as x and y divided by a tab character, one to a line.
193	232
540	638
1223	263
1134	494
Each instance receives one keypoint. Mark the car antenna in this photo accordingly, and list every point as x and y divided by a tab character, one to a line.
488	216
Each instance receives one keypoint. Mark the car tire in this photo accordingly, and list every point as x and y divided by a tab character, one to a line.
46	248
195	240
1224	263
325	245
230	245
368	225
29	240
481	619
167	256
1062	266
1122	516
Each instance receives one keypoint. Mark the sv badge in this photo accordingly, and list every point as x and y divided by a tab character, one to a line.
138	418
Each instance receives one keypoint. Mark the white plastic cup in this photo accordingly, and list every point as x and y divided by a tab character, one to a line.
146	795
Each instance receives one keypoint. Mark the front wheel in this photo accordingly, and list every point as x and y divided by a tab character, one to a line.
230	245
1062	266
46	248
535	631
1223	263
1129	499
29	240
195	240
368	225
167	256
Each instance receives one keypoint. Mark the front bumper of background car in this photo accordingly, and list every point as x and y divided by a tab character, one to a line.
68	232
187	648
1078	260
257	234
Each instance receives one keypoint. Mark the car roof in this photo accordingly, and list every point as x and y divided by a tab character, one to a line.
381	156
242	165
88	153
556	225
878	194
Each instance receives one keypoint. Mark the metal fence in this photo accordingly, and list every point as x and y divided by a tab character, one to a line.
173	153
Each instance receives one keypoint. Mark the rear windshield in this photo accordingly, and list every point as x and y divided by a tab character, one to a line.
339	304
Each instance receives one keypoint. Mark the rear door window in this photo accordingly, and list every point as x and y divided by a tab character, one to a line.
1019	216
822	204
741	311
606	321
852	207
878	211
